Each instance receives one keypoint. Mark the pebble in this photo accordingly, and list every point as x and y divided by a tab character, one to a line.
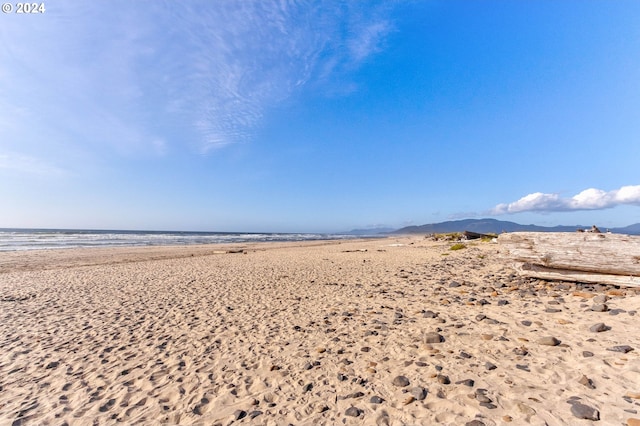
583	411
442	379
408	400
549	341
488	405
430	314
587	354
483	398
433	337
525	409
376	400
490	366
352	395
599	327
383	419
401	381
254	414
474	423
353	411
239	414
584	380
526	323
419	393
522	351
622	348
600	299
467	382
600	307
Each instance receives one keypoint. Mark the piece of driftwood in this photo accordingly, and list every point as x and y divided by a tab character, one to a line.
470	235
551	274
580	256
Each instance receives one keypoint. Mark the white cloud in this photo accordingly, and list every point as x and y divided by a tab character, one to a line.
589	199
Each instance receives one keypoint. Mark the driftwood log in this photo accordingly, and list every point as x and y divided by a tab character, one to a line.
583	257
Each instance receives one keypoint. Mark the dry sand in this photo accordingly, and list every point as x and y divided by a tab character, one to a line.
309	333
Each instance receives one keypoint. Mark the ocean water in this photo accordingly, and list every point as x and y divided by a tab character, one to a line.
38	239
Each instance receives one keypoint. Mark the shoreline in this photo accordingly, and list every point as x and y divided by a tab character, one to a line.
59	258
397	330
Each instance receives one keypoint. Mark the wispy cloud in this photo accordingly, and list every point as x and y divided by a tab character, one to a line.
248	56
25	164
589	199
124	75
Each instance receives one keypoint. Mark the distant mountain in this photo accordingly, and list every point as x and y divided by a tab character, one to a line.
493	226
369	231
631	229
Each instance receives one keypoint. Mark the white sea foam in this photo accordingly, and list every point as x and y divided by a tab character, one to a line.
35	239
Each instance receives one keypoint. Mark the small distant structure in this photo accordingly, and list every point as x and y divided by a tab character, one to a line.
594	229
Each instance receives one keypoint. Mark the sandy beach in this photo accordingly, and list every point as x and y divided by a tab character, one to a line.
393	331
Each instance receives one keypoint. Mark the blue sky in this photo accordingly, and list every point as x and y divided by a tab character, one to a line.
319	116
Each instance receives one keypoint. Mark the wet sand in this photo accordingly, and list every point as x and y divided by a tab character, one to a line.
397	331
